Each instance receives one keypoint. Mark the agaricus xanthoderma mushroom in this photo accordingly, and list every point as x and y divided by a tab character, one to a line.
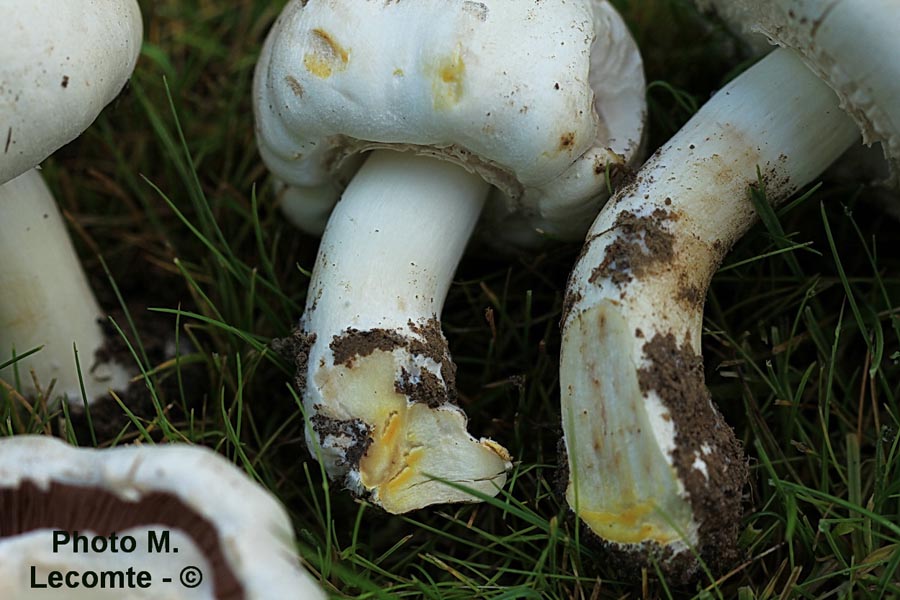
170	521
654	469
60	64
538	100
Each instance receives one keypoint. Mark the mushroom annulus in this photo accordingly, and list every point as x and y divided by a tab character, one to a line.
167	521
654	470
60	64
518	107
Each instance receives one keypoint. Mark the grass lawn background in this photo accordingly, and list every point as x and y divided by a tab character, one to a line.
801	339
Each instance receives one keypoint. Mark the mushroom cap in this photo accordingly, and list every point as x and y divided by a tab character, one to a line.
852	46
60	64
214	512
540	99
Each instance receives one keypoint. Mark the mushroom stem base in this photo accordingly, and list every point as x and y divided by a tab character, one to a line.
45	300
653	466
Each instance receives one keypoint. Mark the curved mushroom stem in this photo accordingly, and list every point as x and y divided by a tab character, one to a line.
45	299
377	377
654	469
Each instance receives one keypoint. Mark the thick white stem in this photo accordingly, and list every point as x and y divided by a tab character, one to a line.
378	379
651	459
393	243
45	299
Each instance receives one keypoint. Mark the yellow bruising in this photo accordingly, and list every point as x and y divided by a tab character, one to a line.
407	446
326	55
499	450
447	80
366	391
621	482
407	475
628	526
26	307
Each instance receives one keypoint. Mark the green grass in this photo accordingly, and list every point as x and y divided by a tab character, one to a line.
802	340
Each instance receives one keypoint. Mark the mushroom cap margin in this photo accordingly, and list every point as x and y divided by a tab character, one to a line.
60	64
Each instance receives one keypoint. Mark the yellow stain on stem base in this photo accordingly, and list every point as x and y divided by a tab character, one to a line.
410	441
627	526
622	484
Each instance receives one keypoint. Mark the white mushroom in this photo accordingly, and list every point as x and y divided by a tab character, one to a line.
180	518
60	64
654	469
537	99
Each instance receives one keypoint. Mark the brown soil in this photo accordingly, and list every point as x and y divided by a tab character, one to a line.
627	561
296	348
429	390
561	478
691	296
642	243
356	433
435	347
676	374
353	343
157	335
67	507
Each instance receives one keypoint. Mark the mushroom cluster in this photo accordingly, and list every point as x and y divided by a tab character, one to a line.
521	108
60	64
398	131
654	471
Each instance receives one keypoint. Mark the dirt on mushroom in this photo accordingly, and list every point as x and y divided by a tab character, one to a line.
354	343
354	430
428	390
642	243
676	374
296	348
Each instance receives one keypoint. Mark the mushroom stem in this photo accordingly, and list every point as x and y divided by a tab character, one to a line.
654	469
377	375
45	299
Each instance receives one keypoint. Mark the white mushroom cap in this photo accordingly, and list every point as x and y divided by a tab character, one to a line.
60	64
537	98
252	530
851	46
